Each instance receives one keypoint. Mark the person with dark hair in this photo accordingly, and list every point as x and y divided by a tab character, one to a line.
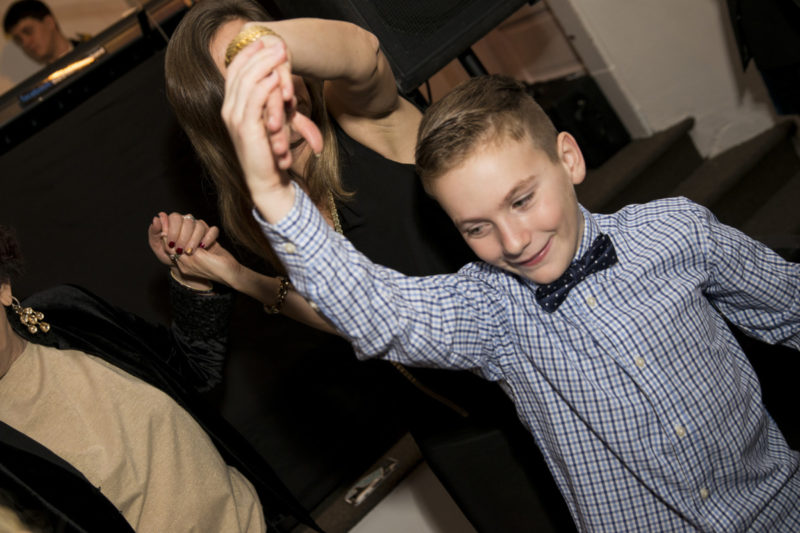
362	179
34	28
609	331
100	418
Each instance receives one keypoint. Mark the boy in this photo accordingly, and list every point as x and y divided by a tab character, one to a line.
607	331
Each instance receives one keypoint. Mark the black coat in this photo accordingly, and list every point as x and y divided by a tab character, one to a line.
181	361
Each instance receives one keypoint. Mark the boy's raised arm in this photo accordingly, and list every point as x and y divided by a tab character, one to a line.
420	321
446	321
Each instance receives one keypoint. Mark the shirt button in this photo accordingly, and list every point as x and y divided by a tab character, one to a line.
680	431
639	361
313	306
704	493
290	248
591	301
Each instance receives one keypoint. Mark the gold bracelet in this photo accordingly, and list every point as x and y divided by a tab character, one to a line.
245	37
183	284
283	290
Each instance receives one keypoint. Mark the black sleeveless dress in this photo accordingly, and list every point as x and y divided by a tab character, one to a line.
481	453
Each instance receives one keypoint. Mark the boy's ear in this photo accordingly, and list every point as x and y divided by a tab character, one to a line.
571	157
49	22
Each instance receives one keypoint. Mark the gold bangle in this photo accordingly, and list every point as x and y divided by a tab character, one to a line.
245	37
183	284
283	290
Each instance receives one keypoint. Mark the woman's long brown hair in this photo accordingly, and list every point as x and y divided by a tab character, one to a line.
195	89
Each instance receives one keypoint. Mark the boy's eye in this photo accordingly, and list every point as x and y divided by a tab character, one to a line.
475	231
522	202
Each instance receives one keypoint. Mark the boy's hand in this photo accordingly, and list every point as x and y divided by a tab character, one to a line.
258	108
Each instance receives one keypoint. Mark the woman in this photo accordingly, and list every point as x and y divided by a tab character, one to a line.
92	396
358	109
364	181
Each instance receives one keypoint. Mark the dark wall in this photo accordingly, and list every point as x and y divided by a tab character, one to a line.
82	190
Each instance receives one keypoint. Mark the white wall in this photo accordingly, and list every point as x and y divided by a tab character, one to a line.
660	61
74	16
419	504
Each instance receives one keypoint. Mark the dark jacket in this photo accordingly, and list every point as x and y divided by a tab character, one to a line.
181	361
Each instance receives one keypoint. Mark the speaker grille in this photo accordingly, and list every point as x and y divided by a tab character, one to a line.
418	36
418	17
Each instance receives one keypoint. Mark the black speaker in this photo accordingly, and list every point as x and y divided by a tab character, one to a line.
575	104
418	37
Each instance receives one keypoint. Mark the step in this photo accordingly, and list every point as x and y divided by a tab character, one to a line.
777	222
758	185
643	170
717	176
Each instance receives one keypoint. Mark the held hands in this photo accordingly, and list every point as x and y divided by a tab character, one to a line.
190	248
259	110
197	266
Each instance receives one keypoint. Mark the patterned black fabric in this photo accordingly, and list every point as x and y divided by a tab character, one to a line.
201	328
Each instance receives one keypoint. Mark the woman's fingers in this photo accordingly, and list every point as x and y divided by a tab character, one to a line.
243	76
184	234
285	72
155	237
308	130
209	238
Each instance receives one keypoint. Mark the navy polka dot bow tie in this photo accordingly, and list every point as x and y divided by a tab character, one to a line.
599	256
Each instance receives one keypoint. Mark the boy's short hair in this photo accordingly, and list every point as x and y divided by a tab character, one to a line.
22	9
479	111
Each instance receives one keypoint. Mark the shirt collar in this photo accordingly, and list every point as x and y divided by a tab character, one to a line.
591	230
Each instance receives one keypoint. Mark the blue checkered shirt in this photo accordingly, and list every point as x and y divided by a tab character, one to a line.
647	411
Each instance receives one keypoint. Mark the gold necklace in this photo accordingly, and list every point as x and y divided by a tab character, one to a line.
337	225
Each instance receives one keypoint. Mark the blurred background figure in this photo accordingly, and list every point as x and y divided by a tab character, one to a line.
32	27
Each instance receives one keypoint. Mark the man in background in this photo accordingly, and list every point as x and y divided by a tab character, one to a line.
32	26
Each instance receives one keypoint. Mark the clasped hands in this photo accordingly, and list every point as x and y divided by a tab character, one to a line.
260	112
189	247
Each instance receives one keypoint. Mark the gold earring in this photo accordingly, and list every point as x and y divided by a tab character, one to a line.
30	319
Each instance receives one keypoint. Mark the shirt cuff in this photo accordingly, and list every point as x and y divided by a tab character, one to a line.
302	233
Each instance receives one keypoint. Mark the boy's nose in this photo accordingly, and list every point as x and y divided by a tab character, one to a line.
513	240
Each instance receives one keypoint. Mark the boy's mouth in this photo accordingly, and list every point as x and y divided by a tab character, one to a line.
538	257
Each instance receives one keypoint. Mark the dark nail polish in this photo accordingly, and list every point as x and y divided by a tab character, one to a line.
179	251
201	245
171	244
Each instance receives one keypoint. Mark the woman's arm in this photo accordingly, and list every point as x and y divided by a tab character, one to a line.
360	89
196	267
345	55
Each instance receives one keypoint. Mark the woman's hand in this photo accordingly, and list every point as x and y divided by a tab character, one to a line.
179	240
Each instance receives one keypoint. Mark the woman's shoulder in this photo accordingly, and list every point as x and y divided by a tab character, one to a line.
392	136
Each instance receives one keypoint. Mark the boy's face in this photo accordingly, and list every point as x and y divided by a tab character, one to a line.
515	207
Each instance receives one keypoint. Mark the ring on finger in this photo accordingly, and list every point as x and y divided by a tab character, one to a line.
173	258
